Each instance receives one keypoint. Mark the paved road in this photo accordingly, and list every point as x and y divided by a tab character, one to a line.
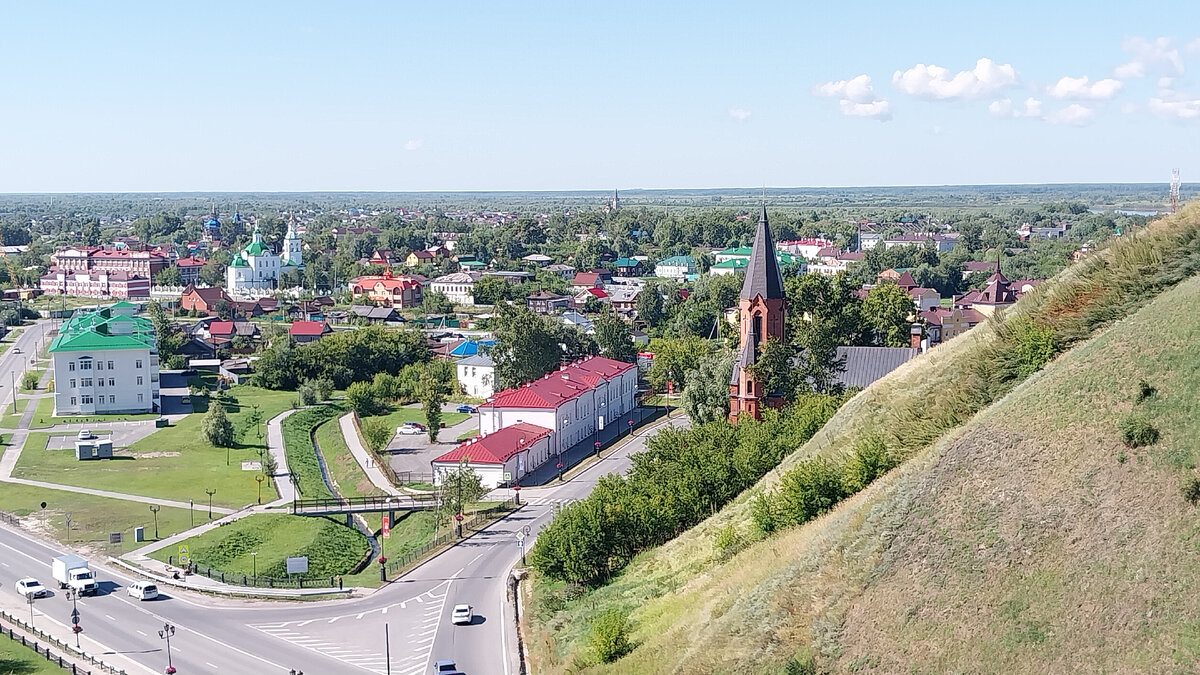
326	637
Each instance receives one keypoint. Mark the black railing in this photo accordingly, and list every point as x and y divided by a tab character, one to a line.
362	504
251	581
44	650
10	519
476	521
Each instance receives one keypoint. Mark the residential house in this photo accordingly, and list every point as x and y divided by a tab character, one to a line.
925	298
417	258
804	248
189	269
545	302
385	257
996	295
564	271
946	323
477	375
105	361
584	280
512	277
386	290
941	242
458	287
586	295
579	321
221	332
574	403
373	314
639	338
498	458
864	365
678	267
627	267
972	266
831	261
304	332
623	298
899	276
538	259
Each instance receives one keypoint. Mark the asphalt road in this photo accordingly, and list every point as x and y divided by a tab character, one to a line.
326	637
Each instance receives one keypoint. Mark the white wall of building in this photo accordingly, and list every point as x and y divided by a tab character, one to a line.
105	381
479	381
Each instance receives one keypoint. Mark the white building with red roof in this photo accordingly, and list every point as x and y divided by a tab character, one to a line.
499	457
573	402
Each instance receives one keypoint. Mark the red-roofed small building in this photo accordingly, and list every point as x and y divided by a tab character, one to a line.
510	452
387	290
308	331
925	298
573	402
189	269
202	300
587	280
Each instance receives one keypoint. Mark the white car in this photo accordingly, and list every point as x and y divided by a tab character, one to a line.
462	615
410	429
142	590
30	585
85	434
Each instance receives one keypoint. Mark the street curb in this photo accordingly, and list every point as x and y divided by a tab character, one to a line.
230	590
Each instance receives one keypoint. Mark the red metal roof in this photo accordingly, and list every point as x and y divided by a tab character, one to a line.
308	328
220	328
598	293
497	447
561	385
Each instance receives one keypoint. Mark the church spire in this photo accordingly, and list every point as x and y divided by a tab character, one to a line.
762	272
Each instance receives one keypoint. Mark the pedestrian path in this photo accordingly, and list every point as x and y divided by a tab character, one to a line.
282	478
364	459
112	495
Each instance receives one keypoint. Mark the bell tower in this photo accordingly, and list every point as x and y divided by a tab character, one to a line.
761	310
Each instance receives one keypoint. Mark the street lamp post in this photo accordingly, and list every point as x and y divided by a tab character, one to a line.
260	478
597	444
154	509
192	511
210	492
167	631
75	627
254	565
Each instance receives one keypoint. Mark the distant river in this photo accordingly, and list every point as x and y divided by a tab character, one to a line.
1126	212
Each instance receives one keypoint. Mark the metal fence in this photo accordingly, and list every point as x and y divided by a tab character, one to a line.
9	518
44	650
362	504
251	581
477	521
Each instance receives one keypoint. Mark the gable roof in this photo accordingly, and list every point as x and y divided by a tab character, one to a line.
309	328
480	360
864	365
762	274
497	447
209	295
585	279
562	385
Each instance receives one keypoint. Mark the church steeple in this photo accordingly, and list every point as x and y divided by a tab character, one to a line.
762	272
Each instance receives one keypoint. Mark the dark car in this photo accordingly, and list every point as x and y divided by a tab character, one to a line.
465	409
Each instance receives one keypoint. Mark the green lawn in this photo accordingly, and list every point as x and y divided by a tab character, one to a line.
18	659
331	547
39	372
44	418
399	416
10	420
349	477
301	457
93	518
467	435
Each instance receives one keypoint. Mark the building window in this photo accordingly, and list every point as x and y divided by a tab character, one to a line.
110	365
72	383
112	399
86	400
85	364
72	400
139	364
139	379
99	365
111	382
139	398
71	366
85	382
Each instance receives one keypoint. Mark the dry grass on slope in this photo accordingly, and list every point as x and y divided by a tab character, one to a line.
791	592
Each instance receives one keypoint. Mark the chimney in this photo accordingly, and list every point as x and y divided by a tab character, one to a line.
565	376
915	333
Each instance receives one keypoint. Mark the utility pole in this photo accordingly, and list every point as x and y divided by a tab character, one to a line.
210	492
154	508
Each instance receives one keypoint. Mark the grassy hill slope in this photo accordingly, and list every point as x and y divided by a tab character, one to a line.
1020	538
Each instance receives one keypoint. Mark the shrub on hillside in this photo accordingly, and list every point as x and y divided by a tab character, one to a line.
1191	490
762	512
1145	391
1034	344
727	542
871	459
810	489
1137	432
610	636
801	664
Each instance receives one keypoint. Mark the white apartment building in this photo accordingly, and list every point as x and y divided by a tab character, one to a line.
458	287
477	375
105	361
573	403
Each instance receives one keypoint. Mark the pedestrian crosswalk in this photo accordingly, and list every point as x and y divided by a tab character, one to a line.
548	501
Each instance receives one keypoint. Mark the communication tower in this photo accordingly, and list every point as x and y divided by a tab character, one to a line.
1174	190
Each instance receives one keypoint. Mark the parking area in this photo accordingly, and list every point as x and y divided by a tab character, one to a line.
412	454
122	434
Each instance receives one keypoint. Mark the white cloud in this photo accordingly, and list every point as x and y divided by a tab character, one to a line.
1074	115
936	130
1081	89
739	114
856	98
1173	105
1004	108
414	144
1158	52
936	82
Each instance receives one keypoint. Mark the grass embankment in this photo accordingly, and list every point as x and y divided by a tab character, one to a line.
175	462
92	518
331	547
18	659
44	417
1027	541
301	456
348	476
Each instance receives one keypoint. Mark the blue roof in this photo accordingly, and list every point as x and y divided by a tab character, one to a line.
471	347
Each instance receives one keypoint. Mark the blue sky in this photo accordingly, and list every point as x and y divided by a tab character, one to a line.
220	96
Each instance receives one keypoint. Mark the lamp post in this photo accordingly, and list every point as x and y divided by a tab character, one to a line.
254	564
154	509
260	478
75	627
597	444
382	568
517	494
192	511
167	631
29	598
210	492
630	426
458	518
559	466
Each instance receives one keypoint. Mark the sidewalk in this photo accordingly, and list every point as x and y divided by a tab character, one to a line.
364	459
282	478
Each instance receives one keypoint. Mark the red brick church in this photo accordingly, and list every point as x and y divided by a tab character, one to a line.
761	309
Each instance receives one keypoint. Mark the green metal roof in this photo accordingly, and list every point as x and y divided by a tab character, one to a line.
472	263
678	261
733	263
256	248
91	331
625	262
123	305
238	261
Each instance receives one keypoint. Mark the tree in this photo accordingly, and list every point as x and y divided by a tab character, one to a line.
818	365
169	276
169	339
212	272
460	487
491	290
436	302
223	309
90	232
527	346
674	358
433	395
887	310
30	380
363	399
307	394
649	305
774	368
612	338
706	389
376	432
217	428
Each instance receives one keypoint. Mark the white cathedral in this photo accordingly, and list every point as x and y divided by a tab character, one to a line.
256	268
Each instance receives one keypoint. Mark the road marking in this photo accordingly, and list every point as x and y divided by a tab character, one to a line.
142	633
210	665
109	617
360	615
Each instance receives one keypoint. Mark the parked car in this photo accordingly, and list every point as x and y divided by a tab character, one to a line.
462	615
85	434
410	429
16	350
465	409
30	585
446	668
142	590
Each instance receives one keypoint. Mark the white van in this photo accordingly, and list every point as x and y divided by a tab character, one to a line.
143	590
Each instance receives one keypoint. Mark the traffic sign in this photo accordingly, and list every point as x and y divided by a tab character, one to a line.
387	527
183	555
520	536
507	476
527	530
520	543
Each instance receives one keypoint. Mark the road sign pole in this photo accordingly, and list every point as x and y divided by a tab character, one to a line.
387	649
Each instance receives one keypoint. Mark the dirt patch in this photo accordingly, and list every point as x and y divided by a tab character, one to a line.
146	455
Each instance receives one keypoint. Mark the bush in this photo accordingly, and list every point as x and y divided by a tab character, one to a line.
307	394
727	542
1137	432
871	459
30	379
323	387
216	427
762	511
1145	391
1035	345
1191	490
801	664
810	489
610	636
376	432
